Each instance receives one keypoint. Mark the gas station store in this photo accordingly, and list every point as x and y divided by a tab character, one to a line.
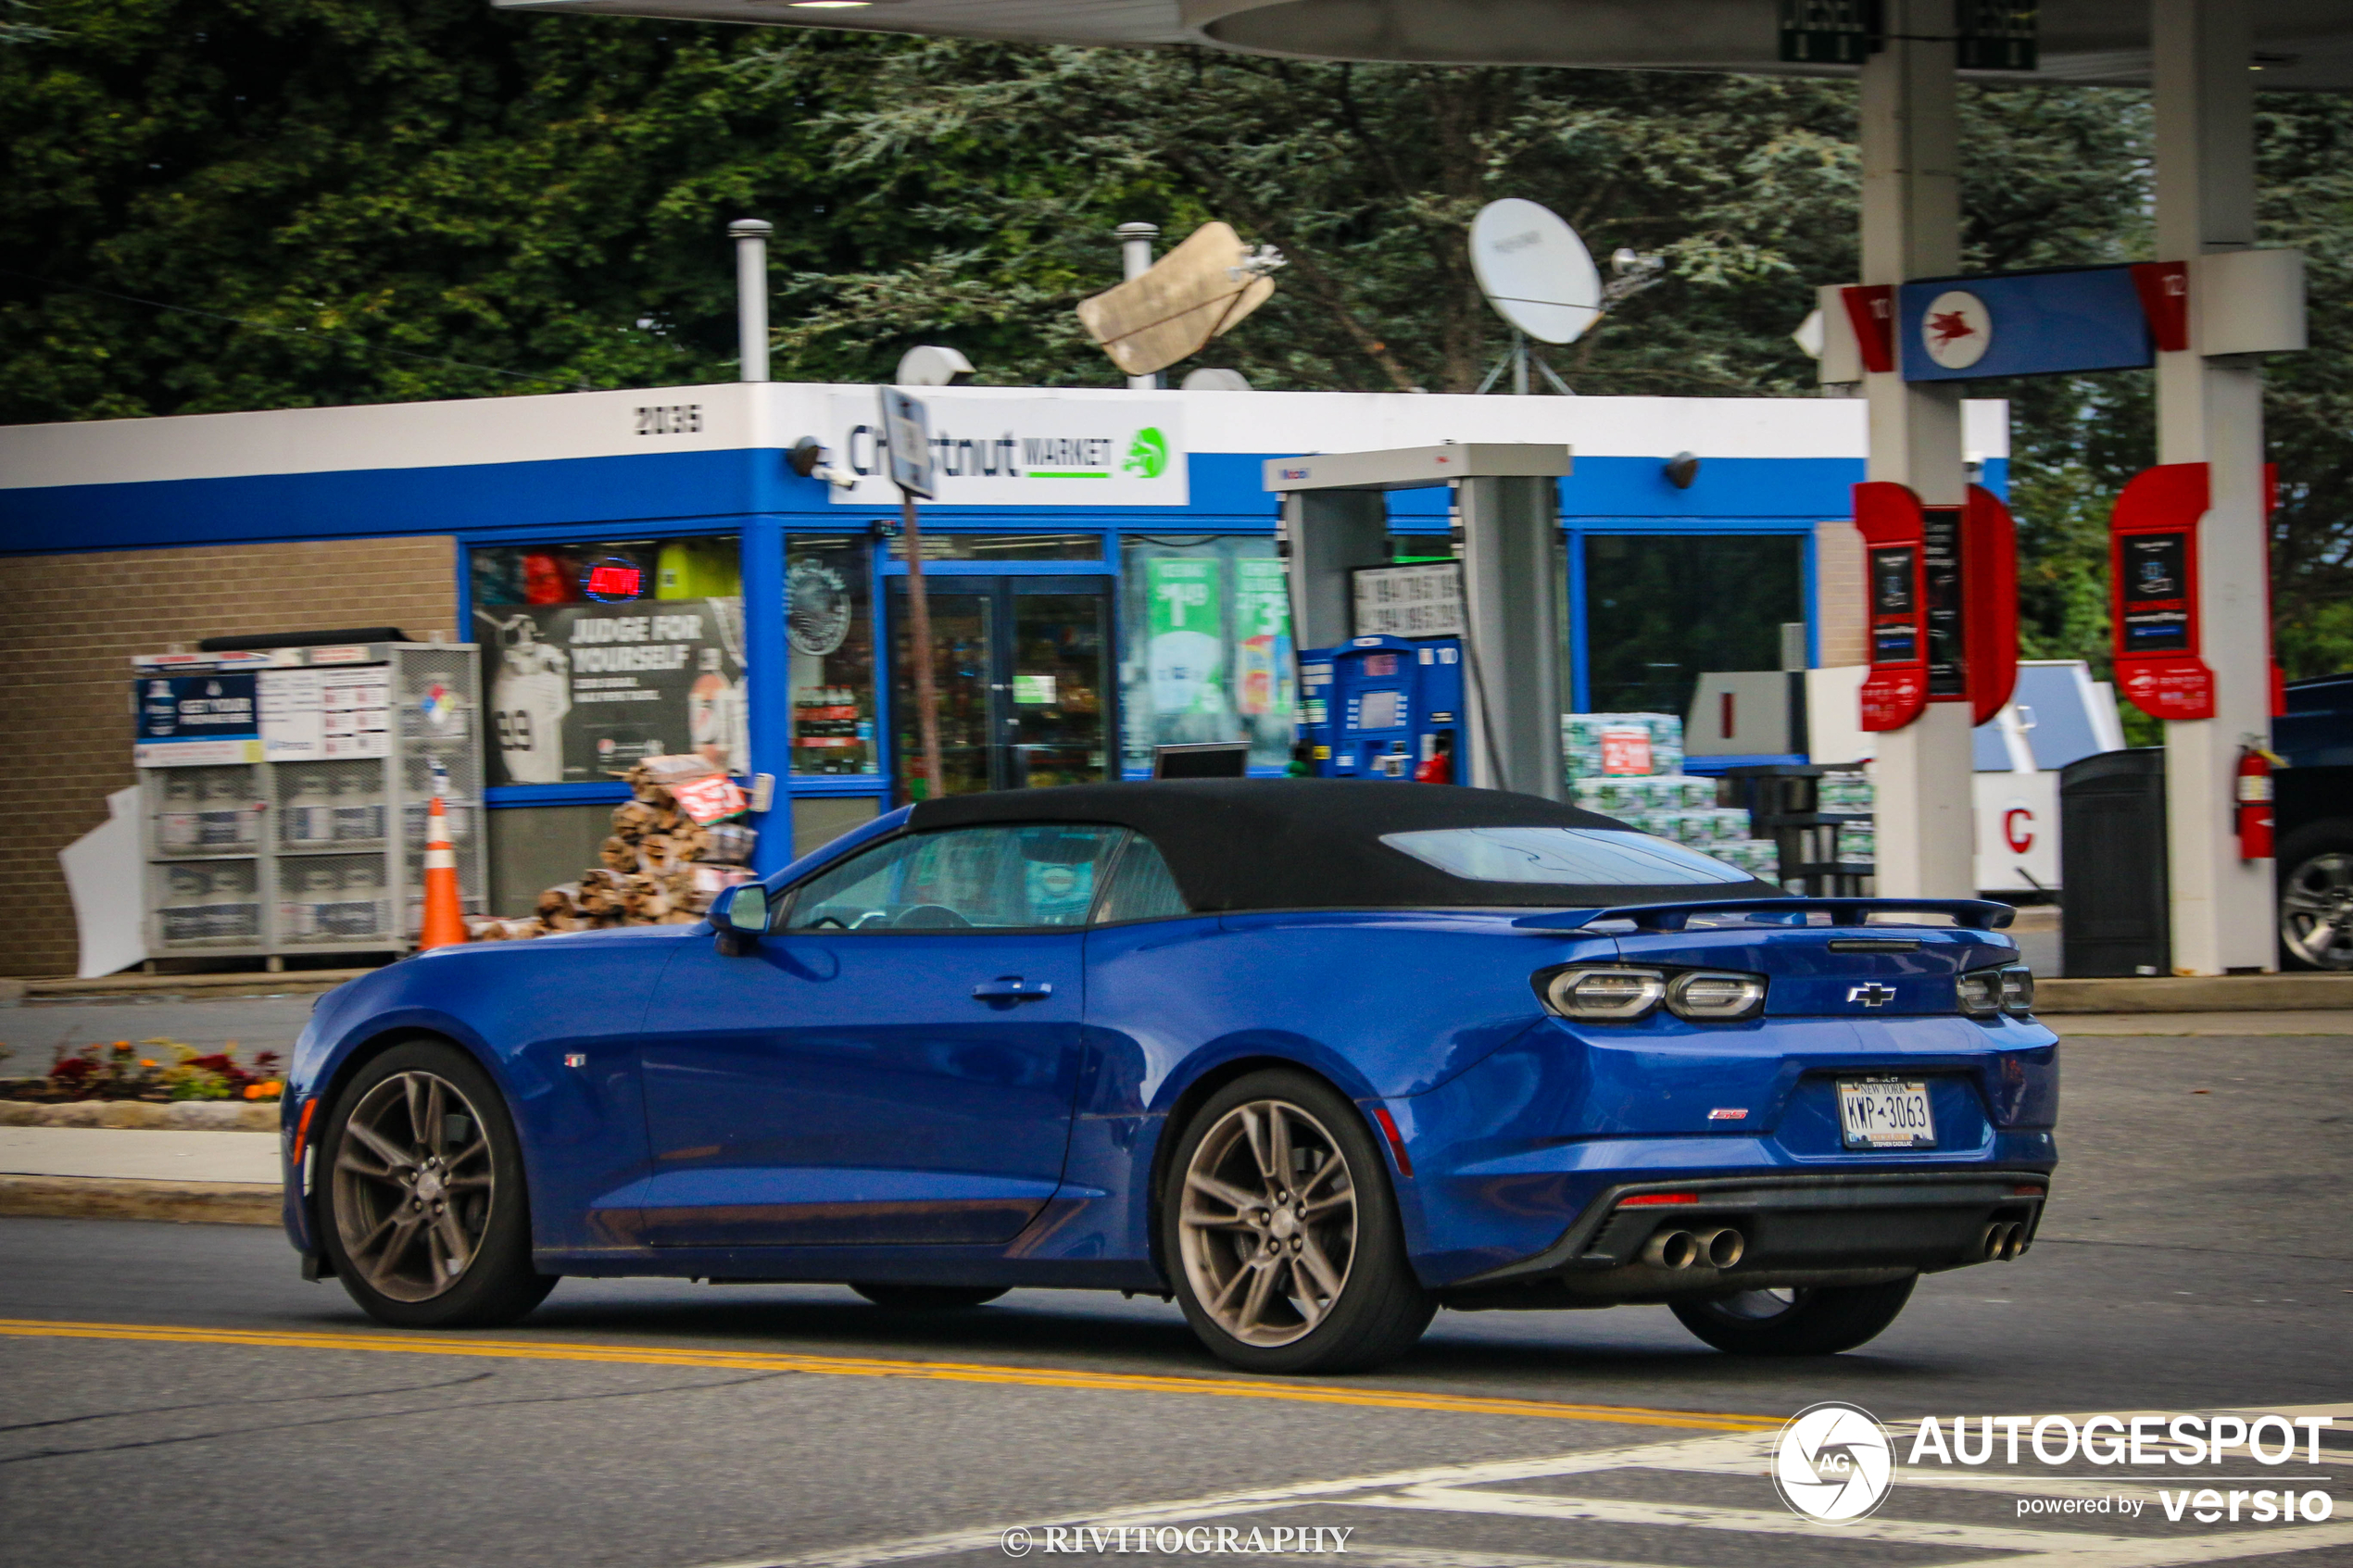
645	574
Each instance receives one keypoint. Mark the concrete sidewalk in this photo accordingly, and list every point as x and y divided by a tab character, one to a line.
139	1155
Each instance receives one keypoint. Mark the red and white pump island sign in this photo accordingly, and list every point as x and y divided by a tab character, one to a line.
1943	583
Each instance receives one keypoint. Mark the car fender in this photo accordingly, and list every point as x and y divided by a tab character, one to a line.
555	1024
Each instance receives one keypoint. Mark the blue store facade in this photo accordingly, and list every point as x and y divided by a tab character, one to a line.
644	571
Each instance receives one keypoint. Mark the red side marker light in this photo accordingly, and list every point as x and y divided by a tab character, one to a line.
302	1130
1651	1199
1396	1143
2026	1190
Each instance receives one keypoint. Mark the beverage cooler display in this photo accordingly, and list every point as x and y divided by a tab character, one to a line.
286	793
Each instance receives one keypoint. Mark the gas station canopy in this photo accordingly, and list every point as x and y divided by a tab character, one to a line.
2297	43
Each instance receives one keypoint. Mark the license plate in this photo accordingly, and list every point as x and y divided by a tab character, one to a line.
1885	1114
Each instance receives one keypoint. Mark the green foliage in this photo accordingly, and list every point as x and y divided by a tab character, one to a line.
371	200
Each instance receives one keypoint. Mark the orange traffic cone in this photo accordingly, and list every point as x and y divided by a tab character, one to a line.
444	918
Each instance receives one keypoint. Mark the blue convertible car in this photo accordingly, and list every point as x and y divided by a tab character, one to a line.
1314	1056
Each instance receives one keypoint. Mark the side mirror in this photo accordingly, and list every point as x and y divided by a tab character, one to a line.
740	915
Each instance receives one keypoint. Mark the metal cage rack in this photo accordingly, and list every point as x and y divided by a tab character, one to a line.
315	842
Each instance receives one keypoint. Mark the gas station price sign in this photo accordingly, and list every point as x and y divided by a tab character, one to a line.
1941	575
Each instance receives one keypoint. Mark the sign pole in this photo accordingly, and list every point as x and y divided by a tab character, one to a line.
906	431
919	633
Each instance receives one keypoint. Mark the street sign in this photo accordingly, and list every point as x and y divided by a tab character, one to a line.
906	428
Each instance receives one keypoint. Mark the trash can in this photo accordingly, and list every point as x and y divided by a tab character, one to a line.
2114	914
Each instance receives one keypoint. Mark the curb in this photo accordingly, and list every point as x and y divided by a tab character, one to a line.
2197	993
95	1198
114	988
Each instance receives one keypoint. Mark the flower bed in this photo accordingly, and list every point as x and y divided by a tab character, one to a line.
125	1072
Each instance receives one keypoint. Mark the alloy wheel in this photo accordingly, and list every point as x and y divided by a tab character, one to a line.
1267	1225
413	1184
2316	910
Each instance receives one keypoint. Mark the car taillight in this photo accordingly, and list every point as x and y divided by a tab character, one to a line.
2018	990
1979	993
1715	996
1605	995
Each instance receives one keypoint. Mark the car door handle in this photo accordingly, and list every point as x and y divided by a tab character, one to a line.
1013	988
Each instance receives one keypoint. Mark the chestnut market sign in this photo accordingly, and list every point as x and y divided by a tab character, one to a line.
1024	450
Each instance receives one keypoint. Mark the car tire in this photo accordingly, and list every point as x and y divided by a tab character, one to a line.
427	1226
2315	868
1820	1322
1310	1276
927	1298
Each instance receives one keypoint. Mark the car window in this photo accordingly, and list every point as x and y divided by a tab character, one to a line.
1141	886
1583	857
989	878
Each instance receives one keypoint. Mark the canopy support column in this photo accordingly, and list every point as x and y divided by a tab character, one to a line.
1912	229
2211	411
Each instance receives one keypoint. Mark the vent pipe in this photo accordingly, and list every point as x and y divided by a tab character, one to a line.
1135	260
751	295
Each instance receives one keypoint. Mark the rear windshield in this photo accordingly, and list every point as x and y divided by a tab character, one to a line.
1591	857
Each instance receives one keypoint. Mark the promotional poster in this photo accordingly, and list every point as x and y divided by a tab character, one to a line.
580	692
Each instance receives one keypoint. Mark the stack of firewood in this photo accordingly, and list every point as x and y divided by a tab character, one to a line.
659	866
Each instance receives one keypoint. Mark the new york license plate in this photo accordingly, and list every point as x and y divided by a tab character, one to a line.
1885	1114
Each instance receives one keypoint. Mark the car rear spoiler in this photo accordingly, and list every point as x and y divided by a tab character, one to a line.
1976	915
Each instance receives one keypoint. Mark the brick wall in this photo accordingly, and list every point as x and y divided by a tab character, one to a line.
68	631
1842	625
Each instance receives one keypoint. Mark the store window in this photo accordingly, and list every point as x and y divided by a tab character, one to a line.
1661	609
1205	645
829	627
598	656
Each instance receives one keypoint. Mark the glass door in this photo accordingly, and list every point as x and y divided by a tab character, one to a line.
1024	670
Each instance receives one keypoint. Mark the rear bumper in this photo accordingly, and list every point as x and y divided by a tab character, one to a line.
1814	1229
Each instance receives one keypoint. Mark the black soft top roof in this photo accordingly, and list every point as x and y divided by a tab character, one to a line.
1292	844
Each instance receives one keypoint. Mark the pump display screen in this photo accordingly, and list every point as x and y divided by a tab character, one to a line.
1895	629
1381	710
2156	604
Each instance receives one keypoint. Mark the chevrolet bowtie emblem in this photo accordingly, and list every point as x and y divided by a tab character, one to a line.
1871	996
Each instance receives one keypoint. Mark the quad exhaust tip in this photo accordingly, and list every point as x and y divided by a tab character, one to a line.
2002	1240
1716	1248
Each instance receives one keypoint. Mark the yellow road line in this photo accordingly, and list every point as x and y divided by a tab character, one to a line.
858	1366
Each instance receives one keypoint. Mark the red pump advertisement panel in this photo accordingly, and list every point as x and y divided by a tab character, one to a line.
1989	602
1894	542
2153	584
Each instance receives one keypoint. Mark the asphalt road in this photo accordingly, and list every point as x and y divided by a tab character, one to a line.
2196	1257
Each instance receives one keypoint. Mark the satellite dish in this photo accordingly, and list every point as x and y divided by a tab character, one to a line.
1534	271
1198	290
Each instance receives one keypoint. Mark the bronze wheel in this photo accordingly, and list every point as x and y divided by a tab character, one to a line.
414	1179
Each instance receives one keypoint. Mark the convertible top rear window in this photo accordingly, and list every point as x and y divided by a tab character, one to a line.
1563	855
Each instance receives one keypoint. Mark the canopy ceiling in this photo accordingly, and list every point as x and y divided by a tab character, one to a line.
2298	43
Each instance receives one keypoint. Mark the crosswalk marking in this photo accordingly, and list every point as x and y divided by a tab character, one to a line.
1471	1491
1778	1522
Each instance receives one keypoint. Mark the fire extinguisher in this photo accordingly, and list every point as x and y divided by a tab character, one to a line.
2252	809
1439	766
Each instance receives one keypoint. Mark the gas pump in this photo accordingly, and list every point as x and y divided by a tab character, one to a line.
1384	707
